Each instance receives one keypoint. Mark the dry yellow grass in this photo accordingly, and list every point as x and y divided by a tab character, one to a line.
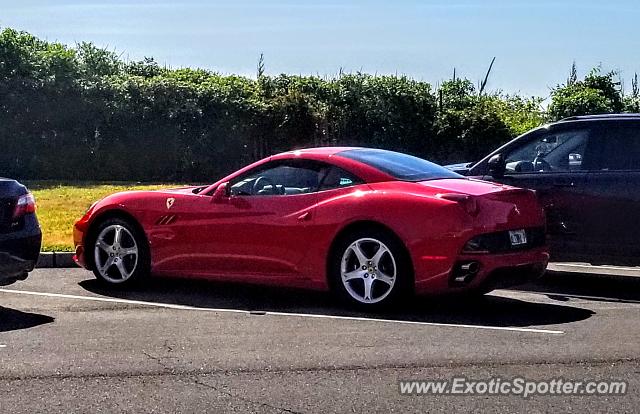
60	204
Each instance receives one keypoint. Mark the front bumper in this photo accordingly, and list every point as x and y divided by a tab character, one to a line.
19	251
78	241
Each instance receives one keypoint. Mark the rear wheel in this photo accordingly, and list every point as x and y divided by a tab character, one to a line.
370	269
120	253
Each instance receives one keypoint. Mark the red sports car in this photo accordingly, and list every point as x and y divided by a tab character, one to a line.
369	224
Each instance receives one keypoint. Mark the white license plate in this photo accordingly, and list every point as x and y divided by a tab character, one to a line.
518	237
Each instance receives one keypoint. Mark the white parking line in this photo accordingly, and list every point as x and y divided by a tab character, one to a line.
597	270
300	315
592	298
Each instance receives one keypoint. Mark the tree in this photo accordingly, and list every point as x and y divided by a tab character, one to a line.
95	62
597	93
632	102
457	94
519	113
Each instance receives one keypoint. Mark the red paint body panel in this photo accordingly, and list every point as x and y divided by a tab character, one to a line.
286	239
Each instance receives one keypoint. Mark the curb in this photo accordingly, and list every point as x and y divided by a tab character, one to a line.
49	260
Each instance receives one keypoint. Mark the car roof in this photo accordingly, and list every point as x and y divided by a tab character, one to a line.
601	117
364	171
321	151
330	155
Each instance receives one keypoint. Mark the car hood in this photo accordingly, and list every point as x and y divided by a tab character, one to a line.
180	190
457	166
460	168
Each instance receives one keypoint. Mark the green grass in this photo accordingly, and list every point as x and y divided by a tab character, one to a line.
60	204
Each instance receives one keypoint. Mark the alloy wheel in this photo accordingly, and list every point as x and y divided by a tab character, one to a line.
368	270
116	253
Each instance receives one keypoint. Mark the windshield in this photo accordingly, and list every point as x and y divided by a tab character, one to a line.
559	151
401	166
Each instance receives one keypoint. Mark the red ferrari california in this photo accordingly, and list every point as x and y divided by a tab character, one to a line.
369	224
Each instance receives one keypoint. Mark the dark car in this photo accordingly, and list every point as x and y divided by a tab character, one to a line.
20	235
586	172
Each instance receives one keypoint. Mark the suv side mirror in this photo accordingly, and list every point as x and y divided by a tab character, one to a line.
497	166
221	193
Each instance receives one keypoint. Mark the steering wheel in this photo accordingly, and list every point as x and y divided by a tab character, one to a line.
262	182
540	164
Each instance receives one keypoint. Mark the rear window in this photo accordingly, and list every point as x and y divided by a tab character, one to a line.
400	166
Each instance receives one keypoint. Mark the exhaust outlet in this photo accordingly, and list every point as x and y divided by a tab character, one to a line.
464	272
470	267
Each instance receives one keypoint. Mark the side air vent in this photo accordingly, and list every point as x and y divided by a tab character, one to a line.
166	219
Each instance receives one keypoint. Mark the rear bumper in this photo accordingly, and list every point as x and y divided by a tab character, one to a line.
504	277
19	251
493	271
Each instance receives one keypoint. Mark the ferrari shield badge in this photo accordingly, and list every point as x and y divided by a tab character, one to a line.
170	202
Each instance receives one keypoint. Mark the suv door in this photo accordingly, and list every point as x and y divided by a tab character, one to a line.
550	161
612	194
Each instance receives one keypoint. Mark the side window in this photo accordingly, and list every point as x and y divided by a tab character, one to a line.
281	178
618	148
561	151
338	178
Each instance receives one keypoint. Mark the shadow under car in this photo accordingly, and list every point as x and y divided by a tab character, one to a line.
12	319
563	286
487	310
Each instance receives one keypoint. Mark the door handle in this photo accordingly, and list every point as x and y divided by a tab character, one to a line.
306	216
561	183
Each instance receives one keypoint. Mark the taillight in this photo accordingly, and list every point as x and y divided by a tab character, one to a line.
467	202
26	204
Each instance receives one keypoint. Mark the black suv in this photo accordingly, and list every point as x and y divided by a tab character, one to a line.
20	235
586	172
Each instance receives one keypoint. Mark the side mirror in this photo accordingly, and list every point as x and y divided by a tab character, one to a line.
221	193
497	166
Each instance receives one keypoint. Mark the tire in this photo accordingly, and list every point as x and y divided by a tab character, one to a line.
370	269
123	262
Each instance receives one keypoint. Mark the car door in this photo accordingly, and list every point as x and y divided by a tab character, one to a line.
262	228
612	194
550	162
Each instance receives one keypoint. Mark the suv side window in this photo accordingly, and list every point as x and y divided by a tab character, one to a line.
619	147
553	151
279	178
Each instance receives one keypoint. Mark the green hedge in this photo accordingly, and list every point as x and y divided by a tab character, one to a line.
82	113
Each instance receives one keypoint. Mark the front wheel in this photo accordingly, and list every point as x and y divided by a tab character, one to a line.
120	253
370	269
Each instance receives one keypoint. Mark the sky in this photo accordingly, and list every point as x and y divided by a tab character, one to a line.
534	42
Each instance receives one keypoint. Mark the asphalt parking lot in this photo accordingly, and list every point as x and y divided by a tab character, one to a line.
69	345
